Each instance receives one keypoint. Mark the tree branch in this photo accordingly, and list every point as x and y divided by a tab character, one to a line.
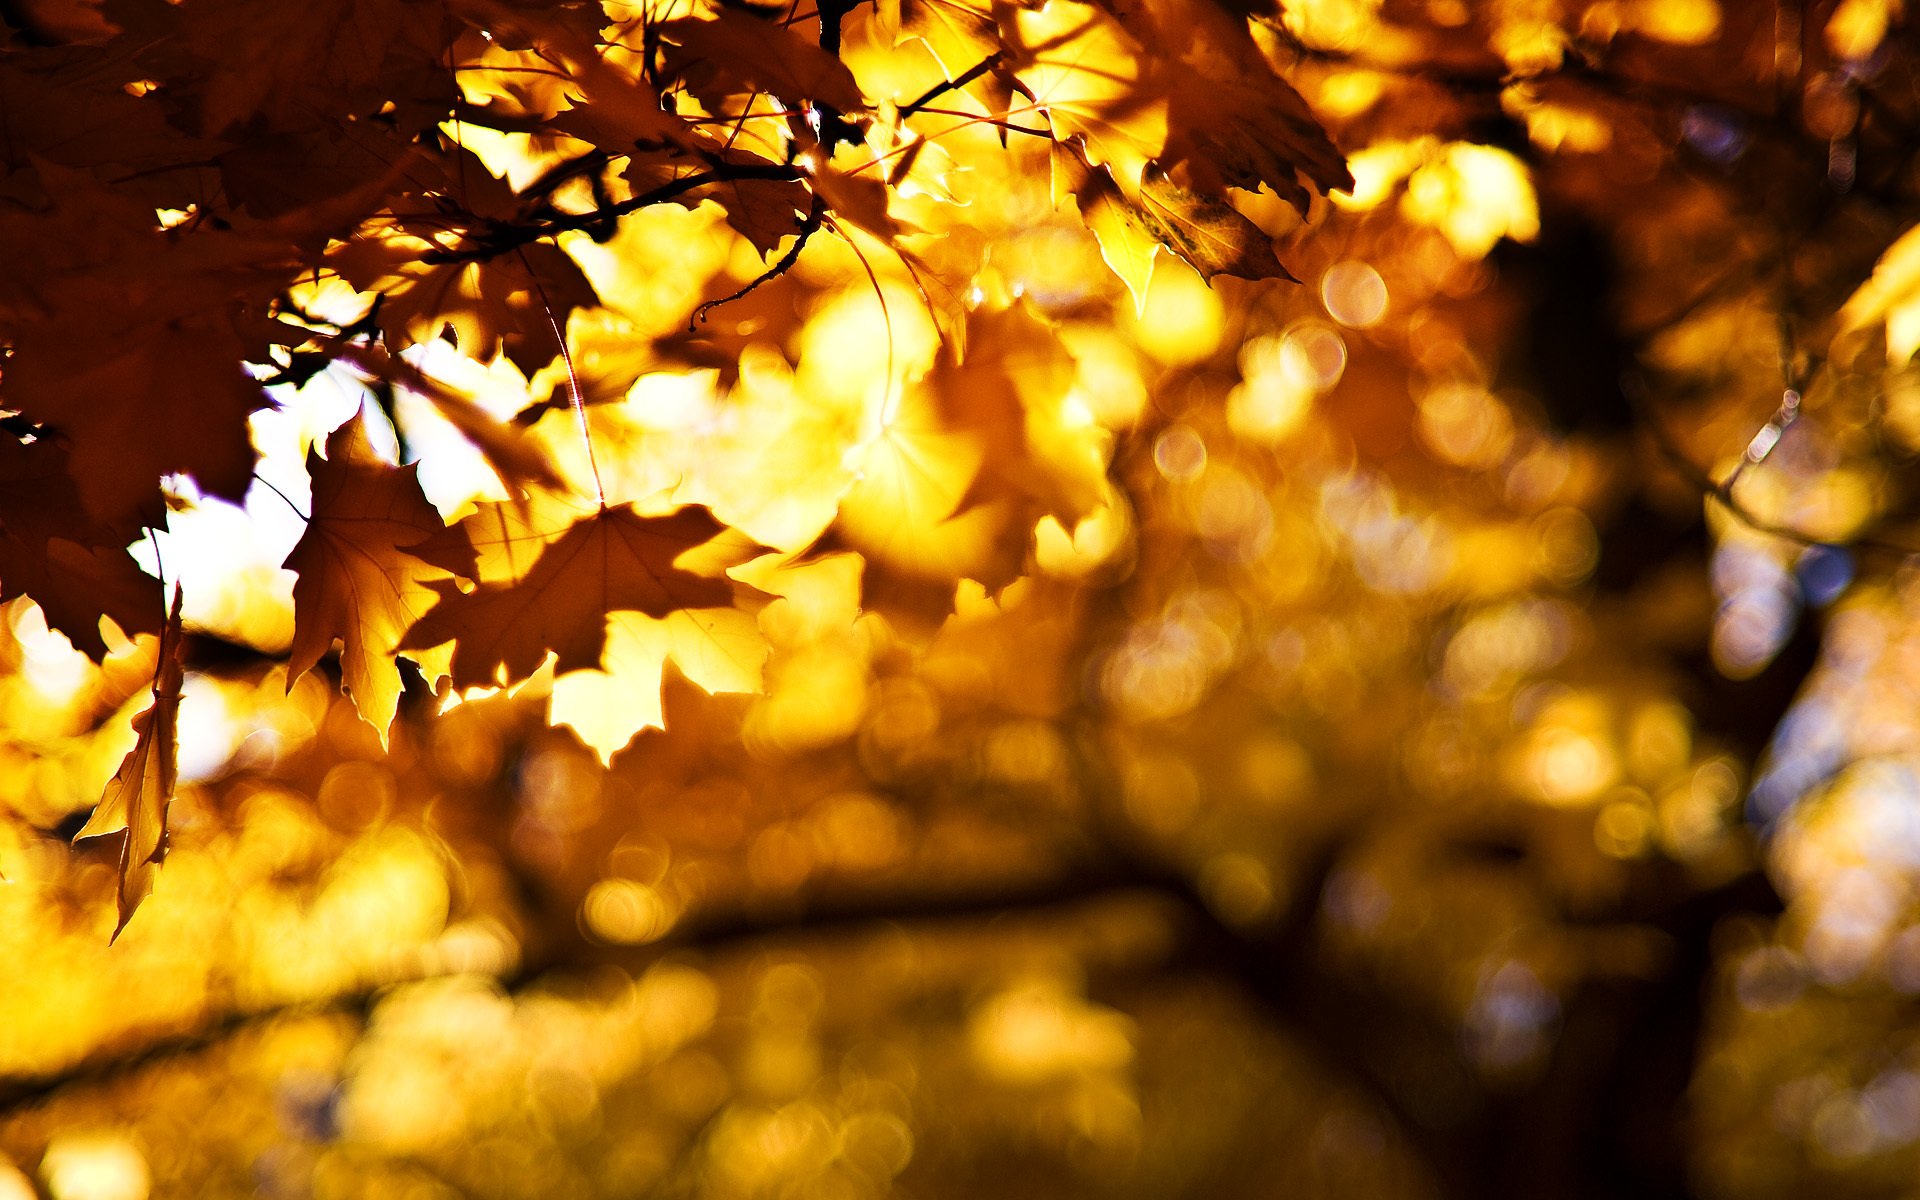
719	930
816	212
496	238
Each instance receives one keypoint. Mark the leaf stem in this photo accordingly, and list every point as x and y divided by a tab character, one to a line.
957	82
579	400
268	484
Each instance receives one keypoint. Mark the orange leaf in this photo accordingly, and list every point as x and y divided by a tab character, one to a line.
1093	80
549	582
139	793
356	582
1231	120
1209	235
753	54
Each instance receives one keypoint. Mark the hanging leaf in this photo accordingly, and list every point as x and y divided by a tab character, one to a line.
1091	78
138	795
1210	236
356	581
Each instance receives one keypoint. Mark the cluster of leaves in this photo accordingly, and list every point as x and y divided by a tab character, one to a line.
1114	633
187	227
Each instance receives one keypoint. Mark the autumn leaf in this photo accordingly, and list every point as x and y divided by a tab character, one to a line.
958	33
716	649
730	51
1210	236
331	57
1092	79
603	97
356	581
160	400
130	342
74	110
138	795
1232	121
950	482
549	576
51	549
483	305
764	211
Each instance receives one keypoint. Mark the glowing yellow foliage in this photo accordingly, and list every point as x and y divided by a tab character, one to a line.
1891	298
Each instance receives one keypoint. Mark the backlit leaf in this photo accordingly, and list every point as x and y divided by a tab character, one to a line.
549	577
140	792
357	581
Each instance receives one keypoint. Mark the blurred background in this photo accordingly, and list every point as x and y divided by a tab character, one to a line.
1449	727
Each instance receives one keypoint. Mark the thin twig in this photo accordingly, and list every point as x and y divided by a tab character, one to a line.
808	227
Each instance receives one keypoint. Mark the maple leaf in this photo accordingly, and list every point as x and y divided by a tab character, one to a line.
1231	120
763	211
729	51
73	566
549	577
482	305
286	63
716	649
130	340
70	107
1211	236
171	399
603	97
138	795
952	480
1093	80
958	33
356	582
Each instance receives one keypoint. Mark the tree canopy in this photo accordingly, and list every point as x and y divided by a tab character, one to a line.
1078	597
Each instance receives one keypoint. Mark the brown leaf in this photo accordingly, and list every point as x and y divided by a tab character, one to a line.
764	211
130	342
730	52
74	567
550	577
287	63
69	107
483	306
603	98
1211	236
138	795
356	582
1232	121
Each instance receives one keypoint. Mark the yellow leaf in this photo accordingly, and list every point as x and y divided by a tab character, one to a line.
717	649
1091	79
357	582
1891	296
1209	235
